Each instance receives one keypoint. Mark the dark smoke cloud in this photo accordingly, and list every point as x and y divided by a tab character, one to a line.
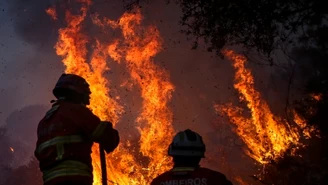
31	22
34	25
27	55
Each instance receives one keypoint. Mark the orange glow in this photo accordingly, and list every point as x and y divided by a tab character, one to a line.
306	129
11	149
240	181
51	11
133	162
317	97
267	136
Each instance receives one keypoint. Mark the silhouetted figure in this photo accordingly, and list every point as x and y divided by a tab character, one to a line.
187	149
67	132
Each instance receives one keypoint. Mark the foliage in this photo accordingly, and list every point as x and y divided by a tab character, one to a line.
261	24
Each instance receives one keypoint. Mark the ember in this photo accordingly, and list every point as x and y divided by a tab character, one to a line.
52	12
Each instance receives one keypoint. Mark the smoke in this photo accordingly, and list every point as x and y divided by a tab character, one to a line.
31	23
18	139
29	66
21	128
5	154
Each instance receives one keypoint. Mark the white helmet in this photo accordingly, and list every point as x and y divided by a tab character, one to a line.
187	143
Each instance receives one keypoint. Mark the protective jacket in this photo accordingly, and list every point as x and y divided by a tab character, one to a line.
65	137
191	176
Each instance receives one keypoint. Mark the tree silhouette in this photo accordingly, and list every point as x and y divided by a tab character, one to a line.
263	25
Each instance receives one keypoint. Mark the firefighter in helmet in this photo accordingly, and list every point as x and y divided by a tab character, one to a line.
187	149
67	132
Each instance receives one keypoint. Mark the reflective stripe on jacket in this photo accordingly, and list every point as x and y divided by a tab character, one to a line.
67	168
59	143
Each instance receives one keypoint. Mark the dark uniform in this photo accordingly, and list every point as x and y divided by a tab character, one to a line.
187	149
191	176
66	135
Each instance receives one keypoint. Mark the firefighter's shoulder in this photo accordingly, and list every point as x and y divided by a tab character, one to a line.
161	178
79	114
80	109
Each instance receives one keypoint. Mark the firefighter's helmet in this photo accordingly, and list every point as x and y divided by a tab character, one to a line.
71	83
187	143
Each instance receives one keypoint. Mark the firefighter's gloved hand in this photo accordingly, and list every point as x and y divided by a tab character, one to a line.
110	137
114	141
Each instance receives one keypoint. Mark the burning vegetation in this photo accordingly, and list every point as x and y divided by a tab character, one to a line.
266	136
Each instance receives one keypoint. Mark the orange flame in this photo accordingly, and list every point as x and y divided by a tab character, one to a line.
267	137
11	149
128	164
51	11
307	130
155	118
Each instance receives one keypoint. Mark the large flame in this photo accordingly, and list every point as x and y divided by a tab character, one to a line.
267	136
131	163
